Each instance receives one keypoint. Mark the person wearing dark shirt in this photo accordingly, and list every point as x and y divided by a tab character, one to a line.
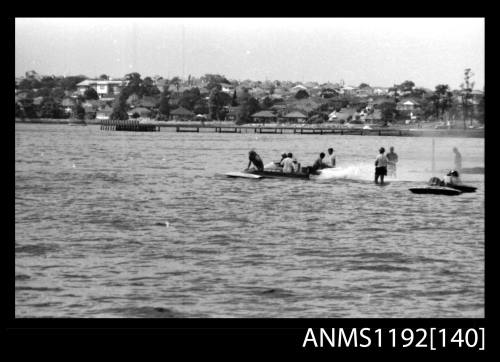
254	158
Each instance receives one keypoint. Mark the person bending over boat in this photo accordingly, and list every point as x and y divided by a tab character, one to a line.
380	166
452	178
330	158
392	159
254	158
319	164
287	163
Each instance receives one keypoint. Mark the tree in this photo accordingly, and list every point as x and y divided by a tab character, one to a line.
120	107
50	109
149	87
201	107
301	94
267	102
213	79
164	109
90	93
480	110
466	94
388	111
189	98
249	105
134	85
364	85
57	93
407	86
214	102
78	111
69	83
442	99
19	112
234	101
418	92
103	77
28	108
176	81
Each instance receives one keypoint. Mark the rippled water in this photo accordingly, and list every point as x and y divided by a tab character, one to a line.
122	224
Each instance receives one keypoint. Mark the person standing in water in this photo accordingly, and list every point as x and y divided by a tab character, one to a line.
254	158
458	160
380	166
392	159
330	158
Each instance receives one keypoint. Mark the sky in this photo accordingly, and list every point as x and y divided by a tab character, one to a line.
378	51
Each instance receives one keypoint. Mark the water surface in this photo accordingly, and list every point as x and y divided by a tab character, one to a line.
122	224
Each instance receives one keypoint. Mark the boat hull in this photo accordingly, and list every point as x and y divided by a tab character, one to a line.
435	190
280	174
463	188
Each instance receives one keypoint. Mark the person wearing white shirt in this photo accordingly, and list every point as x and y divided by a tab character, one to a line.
287	164
452	178
330	158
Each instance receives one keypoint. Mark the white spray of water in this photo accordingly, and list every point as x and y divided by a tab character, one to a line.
352	172
366	172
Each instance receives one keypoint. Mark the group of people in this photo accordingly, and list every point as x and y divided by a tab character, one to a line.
289	164
385	164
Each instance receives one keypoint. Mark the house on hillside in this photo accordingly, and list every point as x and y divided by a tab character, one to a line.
348	90
104	113
344	115
149	102
263	117
233	114
374	117
407	105
181	114
295	117
305	106
104	88
141	111
68	104
380	91
227	88
364	92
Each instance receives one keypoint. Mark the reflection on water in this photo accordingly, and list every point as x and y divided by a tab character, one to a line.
118	224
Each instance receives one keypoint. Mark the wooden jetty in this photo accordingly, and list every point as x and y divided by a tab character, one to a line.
132	126
135	126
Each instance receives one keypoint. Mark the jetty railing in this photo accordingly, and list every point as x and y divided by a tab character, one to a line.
132	126
136	126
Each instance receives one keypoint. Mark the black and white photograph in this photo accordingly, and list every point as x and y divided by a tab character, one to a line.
205	168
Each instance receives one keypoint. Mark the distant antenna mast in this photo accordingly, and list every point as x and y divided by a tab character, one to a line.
134	47
183	53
